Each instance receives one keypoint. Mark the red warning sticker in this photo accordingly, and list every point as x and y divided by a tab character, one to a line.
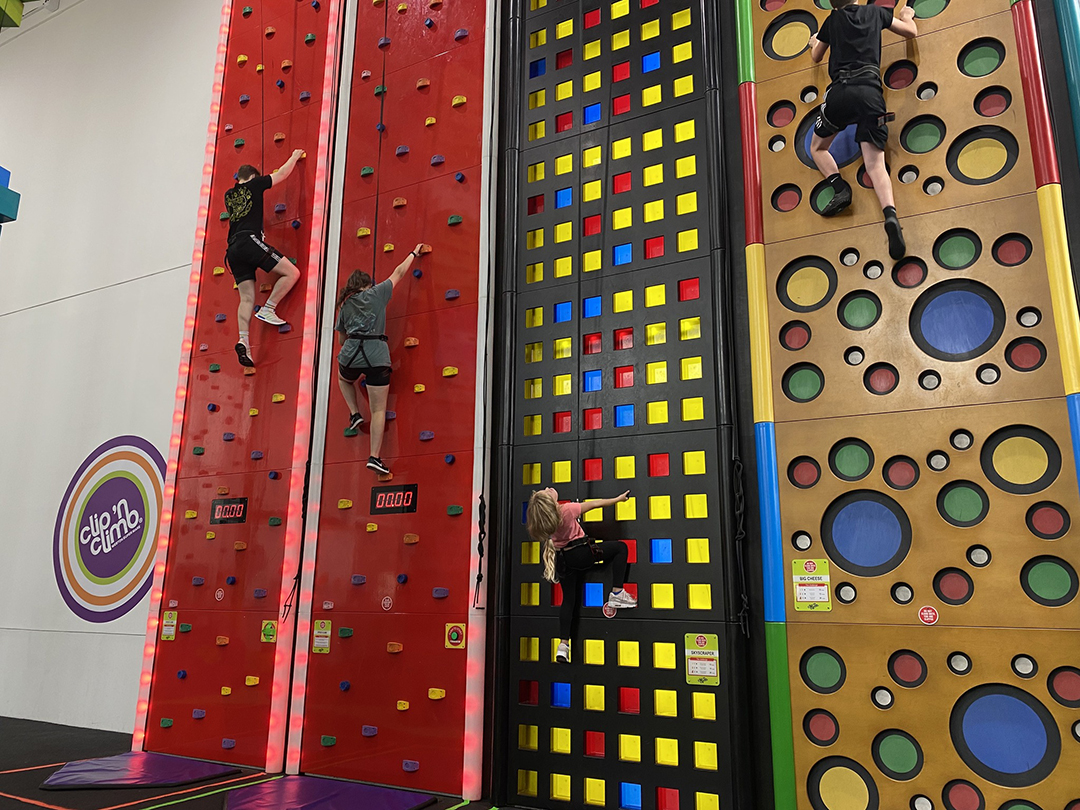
928	615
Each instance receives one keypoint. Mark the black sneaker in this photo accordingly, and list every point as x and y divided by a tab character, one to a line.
355	421
897	245
841	200
243	356
377	465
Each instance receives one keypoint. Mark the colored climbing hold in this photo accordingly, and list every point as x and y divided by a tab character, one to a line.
434	3
454	219
249	372
219	271
227	743
277	398
275	521
358	579
419	388
198	451
403	705
384	477
344	686
285	327
436	694
344	503
305	96
279	208
215	368
328	605
230	580
460	34
449	458
402	579
402	8
296	226
369	731
460	177
454	510
181	674
197	581
366	172
242	59
327	740
410	342
457	101
429	121
190	514
279	137
210	535
228	437
394	647
274	475
251	680
245	98
253	411
449	371
362	232
259	68
417	272
411	539
401	150
260	593
429	22
388	247
381	127
373	527
286	64
239	545
400	202
440	593
452	295
384	41
345	632
427	435
204	347
198	714
422	83
185	628
280	84
365	74
166	722
437	160
221	641
310	38
410	765
248	11
256	455
391	416
315	4
380	89
220	317
226	691
270	31
222	490
350	432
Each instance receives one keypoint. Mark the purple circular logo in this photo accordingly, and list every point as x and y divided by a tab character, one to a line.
104	540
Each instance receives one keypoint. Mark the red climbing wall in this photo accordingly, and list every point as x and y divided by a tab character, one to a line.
388	697
219	650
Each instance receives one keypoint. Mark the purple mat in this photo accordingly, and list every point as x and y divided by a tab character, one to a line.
134	770
309	793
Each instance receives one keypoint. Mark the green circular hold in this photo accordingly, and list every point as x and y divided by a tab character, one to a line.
805	384
860	312
925	9
898	754
823	670
824	196
981	61
923	138
957	251
963	504
852	461
1049	580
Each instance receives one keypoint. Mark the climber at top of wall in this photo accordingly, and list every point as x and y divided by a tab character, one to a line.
854	96
361	322
247	251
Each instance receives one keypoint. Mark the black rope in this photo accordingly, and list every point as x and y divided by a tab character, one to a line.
740	537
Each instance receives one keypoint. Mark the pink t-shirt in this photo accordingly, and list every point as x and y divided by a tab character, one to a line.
569	529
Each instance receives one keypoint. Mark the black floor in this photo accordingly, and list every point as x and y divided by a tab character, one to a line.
30	751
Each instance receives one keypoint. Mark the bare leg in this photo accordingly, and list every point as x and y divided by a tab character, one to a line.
247	304
874	161
288	274
377	396
823	159
348	390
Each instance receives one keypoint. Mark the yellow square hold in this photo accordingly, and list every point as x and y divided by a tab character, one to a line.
251	680
436	694
344	503
706	801
697	503
593	190
564	29
594	516
538	38
650	30
620	40
594	651
535	239
591	81
684	86
656	413
687	240
665	703
685	131
594	697
620	8
624	466
680	19
686	203
656	373
564	90
534	352
686	166
563	348
190	514
564	266
537	98
564	164
659	507
693	409
529	648
663	596
591	157
561	471
534	316
561	385
564	231
530	553
595	792
528	737
690	328
560	787
560	741
526	783
536	172
667	752
629	653
621	148
277	398
627	510
622	218
652	95
653	175
693	462
682	52
622	301
699	596
655	334
591	49
663	655
530	594
630	748
533	425
704	706
654	210
403	705
655	295
697	549
653	139
690	368
226	691
591	261
705	755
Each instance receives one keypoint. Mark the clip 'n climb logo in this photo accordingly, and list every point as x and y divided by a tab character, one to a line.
106	529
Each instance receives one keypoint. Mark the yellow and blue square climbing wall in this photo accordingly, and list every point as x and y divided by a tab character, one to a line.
610	286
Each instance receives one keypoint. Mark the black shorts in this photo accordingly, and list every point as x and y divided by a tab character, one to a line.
859	104
248	253
380	375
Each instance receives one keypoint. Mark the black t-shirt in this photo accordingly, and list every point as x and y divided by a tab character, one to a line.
244	202
853	34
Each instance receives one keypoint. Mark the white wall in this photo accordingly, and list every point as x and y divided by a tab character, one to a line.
103	113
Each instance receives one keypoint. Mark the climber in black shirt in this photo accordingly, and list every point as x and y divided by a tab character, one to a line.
854	96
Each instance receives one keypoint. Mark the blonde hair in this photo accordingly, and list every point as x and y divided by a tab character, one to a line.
542	520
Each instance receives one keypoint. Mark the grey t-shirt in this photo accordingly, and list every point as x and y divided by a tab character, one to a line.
365	314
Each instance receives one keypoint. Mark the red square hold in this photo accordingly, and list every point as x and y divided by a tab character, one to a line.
593	469
556	594
620	72
667	799
629	700
592	18
564	59
689	289
646	4
529	692
590	226
591	343
624	377
631	557
659	465
564	121
624	338
654	248
620	104
560	422
536	204
592	419
622	183
594	743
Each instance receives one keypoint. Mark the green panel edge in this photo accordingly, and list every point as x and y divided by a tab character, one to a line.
744	22
783	745
11	13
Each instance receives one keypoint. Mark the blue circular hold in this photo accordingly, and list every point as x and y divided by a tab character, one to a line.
867	533
844	148
402	578
449	458
344	686
230	580
274	475
957	322
1004	734
181	674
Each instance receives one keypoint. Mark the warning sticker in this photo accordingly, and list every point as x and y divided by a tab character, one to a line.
168	626
320	640
812	588
269	632
702	659
455	636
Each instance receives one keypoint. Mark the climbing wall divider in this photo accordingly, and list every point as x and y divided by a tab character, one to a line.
153	619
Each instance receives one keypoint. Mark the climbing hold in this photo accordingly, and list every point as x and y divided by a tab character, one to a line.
248	11
181	674
251	680
401	150
402	8
265	287
369	731
279	208
452	295
394	647
429	121
376	3
166	722
328	605
327	740
449	371
309	39
286	64
410	765
460	34
275	521
260	593
367	171
274	475
228	437
454	510
436	694
270	31
434	3
365	74
204	347
256	455
185	627
345	632
358	579
344	503
403	705
242	59
381	127
219	271
315	4
380	89
245	98
230	580
437	160
239	545
417	272
253	411
220	317
427	435
400	202
215	368
429	22
221	641
391	416
279	137
280	84
249	372
449	458
259	68
410	342
402	579
388	247
411	539
458	101
222	490
373	527
227	743
350	432
422	83
419	388
210	535
296	224
190	514
454	219
285	327
440	593
198	714
305	95
460	177
384	477
197	581
362	232
226	691
198	451
344	686
277	398
384	41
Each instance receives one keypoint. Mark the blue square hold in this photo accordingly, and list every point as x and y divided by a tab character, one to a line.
592	381
629	796
591	307
524	512
537	67
594	594
560	695
564	198
564	311
623	254
624	416
591	114
650	62
660	550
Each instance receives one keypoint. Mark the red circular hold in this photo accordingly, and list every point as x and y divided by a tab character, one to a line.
805	474
910	274
1048	521
1025	355
772	5
882	380
954	587
788	200
781	114
795	337
963	796
901	77
1012	250
907	668
992	104
1066	685
900	474
821	727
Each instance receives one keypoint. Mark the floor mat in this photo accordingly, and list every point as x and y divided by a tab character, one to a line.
311	793
134	769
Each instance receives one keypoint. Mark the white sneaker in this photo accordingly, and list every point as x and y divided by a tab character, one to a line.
562	655
623	599
268	315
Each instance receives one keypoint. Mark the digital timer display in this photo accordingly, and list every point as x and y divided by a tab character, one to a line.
228	510
393	500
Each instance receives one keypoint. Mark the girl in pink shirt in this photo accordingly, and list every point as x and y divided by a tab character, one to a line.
568	554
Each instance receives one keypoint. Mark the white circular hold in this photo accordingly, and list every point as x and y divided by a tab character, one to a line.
777	144
933	188
962	440
938	461
902	594
854	357
989	375
909	175
847	594
219	594
873	270
1029	318
850	257
930	380
1023	666
979	556
801	541
1076	730
809	94
882	698
922	803
959	663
